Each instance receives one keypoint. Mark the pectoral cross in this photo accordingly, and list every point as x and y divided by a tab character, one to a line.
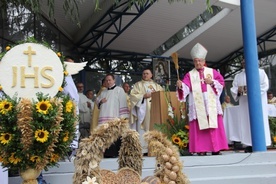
201	75
29	52
202	81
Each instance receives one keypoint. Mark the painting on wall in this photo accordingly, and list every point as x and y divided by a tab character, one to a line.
161	71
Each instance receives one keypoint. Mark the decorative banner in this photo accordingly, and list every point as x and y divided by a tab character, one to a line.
161	71
30	68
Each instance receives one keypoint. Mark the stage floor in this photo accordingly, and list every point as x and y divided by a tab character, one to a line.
228	168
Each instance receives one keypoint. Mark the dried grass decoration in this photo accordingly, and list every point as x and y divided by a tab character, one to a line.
90	154
168	165
175	61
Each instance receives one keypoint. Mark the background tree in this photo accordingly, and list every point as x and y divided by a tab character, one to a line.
70	6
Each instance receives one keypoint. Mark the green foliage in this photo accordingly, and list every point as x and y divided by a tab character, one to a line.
37	135
272	125
176	129
71	7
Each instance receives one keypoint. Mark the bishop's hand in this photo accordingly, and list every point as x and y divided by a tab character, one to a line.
179	84
208	81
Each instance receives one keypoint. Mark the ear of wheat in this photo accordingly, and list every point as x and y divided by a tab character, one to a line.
175	61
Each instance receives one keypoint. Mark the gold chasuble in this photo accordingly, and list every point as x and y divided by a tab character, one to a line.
199	101
95	114
136	95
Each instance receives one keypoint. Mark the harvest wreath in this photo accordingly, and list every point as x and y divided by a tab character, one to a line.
35	133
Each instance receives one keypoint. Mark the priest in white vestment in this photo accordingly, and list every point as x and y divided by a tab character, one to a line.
238	92
71	90
112	103
140	99
270	98
204	86
126	88
226	103
84	110
88	116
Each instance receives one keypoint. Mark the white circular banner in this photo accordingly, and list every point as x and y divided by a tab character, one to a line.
30	68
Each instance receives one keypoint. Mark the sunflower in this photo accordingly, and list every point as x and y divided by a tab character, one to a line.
65	73
66	136
187	127
1	88
176	139
35	158
183	145
43	106
41	135
1	159
69	106
60	89
14	160
59	54
8	48
54	158
5	106
274	139
5	138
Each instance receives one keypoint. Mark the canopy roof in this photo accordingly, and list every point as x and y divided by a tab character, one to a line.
142	31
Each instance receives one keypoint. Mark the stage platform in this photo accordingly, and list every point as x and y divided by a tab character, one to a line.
229	168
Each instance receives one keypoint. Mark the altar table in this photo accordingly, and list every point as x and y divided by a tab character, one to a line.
232	122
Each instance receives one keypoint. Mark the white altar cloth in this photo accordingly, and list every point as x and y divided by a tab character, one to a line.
232	121
271	108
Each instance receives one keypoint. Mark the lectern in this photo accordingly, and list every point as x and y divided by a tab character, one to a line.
159	107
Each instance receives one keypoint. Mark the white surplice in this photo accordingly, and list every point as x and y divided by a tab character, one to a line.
240	80
71	90
116	105
84	110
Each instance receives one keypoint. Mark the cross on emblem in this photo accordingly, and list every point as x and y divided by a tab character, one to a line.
29	52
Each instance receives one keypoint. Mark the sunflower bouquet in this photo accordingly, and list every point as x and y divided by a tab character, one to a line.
176	129
35	134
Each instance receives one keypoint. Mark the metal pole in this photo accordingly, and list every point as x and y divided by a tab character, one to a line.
252	75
